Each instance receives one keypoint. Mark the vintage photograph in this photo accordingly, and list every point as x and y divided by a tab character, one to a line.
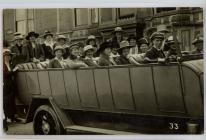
111	71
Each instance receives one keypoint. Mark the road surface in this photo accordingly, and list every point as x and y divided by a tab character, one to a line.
20	129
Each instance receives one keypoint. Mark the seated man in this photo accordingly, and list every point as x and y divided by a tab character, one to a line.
155	53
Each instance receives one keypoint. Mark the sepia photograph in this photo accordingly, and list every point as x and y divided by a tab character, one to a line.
103	71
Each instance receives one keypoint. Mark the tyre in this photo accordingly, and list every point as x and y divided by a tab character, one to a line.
46	122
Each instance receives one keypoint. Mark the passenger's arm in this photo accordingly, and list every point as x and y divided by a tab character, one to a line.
148	60
75	65
133	61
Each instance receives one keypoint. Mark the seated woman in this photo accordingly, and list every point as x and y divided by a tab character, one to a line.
74	60
89	51
58	61
139	58
105	52
124	51
62	41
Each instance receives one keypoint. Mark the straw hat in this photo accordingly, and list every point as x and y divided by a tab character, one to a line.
90	37
74	45
162	28
88	47
118	29
124	45
46	33
61	37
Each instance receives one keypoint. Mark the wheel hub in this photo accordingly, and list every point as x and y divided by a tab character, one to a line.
45	126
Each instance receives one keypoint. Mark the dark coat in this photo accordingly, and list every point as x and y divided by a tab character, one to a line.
153	53
121	60
48	51
115	42
104	60
54	63
20	54
37	52
8	92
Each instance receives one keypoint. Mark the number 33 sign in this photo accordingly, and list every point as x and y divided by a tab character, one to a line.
173	126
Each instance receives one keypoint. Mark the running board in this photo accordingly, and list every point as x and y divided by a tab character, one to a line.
98	130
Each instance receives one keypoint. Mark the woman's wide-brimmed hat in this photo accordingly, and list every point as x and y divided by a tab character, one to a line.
90	37
74	45
143	41
18	36
89	47
59	48
59	37
32	33
170	40
118	29
103	46
124	45
46	33
162	28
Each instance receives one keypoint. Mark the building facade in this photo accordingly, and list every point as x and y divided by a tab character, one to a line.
78	23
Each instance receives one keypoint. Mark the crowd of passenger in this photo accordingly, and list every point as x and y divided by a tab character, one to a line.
119	50
61	53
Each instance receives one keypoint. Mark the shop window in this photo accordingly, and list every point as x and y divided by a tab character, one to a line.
106	15
126	12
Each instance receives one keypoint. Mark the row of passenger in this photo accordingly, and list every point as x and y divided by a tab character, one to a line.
116	51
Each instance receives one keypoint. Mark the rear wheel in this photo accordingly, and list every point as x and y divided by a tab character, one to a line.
46	122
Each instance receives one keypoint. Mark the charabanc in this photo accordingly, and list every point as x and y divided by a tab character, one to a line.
149	98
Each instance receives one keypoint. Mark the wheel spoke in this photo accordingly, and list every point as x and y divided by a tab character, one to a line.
45	122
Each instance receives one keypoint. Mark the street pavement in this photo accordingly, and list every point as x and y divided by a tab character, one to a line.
20	129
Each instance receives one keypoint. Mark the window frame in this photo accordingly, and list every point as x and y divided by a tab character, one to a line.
27	19
114	17
75	18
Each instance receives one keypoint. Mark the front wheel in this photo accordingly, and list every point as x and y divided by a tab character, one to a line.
46	122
